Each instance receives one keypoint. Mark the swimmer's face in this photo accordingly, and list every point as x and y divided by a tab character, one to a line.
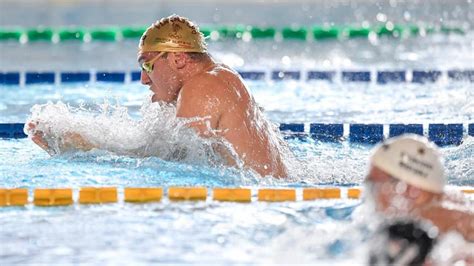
162	79
382	189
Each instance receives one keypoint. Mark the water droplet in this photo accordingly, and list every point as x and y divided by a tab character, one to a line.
286	60
389	25
381	17
406	15
373	38
246	37
214	35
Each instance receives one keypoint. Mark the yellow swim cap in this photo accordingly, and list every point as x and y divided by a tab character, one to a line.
172	34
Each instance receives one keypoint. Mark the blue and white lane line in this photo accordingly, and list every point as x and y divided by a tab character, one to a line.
441	134
364	76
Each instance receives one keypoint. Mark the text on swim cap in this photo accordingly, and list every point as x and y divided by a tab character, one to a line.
413	164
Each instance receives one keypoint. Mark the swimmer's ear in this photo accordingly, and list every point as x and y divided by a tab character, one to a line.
178	60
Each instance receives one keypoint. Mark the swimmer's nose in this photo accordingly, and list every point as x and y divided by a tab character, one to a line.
144	78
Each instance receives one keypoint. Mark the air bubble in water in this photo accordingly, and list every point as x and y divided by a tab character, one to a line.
381	17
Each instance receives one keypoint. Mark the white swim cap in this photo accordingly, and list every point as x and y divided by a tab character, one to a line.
413	159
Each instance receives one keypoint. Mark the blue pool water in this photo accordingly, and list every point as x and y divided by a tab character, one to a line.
284	102
325	231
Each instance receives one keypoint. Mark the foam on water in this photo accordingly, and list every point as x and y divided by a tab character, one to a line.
155	143
336	240
158	133
459	163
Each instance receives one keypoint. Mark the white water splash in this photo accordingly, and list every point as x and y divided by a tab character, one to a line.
158	133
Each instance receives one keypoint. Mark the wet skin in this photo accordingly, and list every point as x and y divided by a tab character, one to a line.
447	212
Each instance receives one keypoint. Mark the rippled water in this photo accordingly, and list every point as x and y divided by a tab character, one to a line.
211	232
168	232
284	102
177	233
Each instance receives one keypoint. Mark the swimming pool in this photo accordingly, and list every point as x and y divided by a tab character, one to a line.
226	232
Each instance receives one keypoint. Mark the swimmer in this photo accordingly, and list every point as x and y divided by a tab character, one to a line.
406	180
178	70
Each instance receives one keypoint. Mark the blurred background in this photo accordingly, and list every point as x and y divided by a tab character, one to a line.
30	13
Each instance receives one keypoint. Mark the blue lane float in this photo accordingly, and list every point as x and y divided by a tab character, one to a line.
39	78
399	129
441	134
293	131
135	76
461	75
366	133
381	77
10	78
430	76
111	77
252	75
70	77
356	76
286	75
446	134
326	132
12	131
384	77
321	75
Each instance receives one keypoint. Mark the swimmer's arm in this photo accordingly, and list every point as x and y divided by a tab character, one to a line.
202	103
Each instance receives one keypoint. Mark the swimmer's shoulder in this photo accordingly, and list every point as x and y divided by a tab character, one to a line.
205	82
202	88
215	79
222	72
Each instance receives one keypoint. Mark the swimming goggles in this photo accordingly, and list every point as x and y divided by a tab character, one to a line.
148	66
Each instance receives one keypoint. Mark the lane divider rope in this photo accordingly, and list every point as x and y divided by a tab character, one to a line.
276	195
103	195
52	197
13	197
441	134
318	193
143	194
222	32
232	194
184	193
417	76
